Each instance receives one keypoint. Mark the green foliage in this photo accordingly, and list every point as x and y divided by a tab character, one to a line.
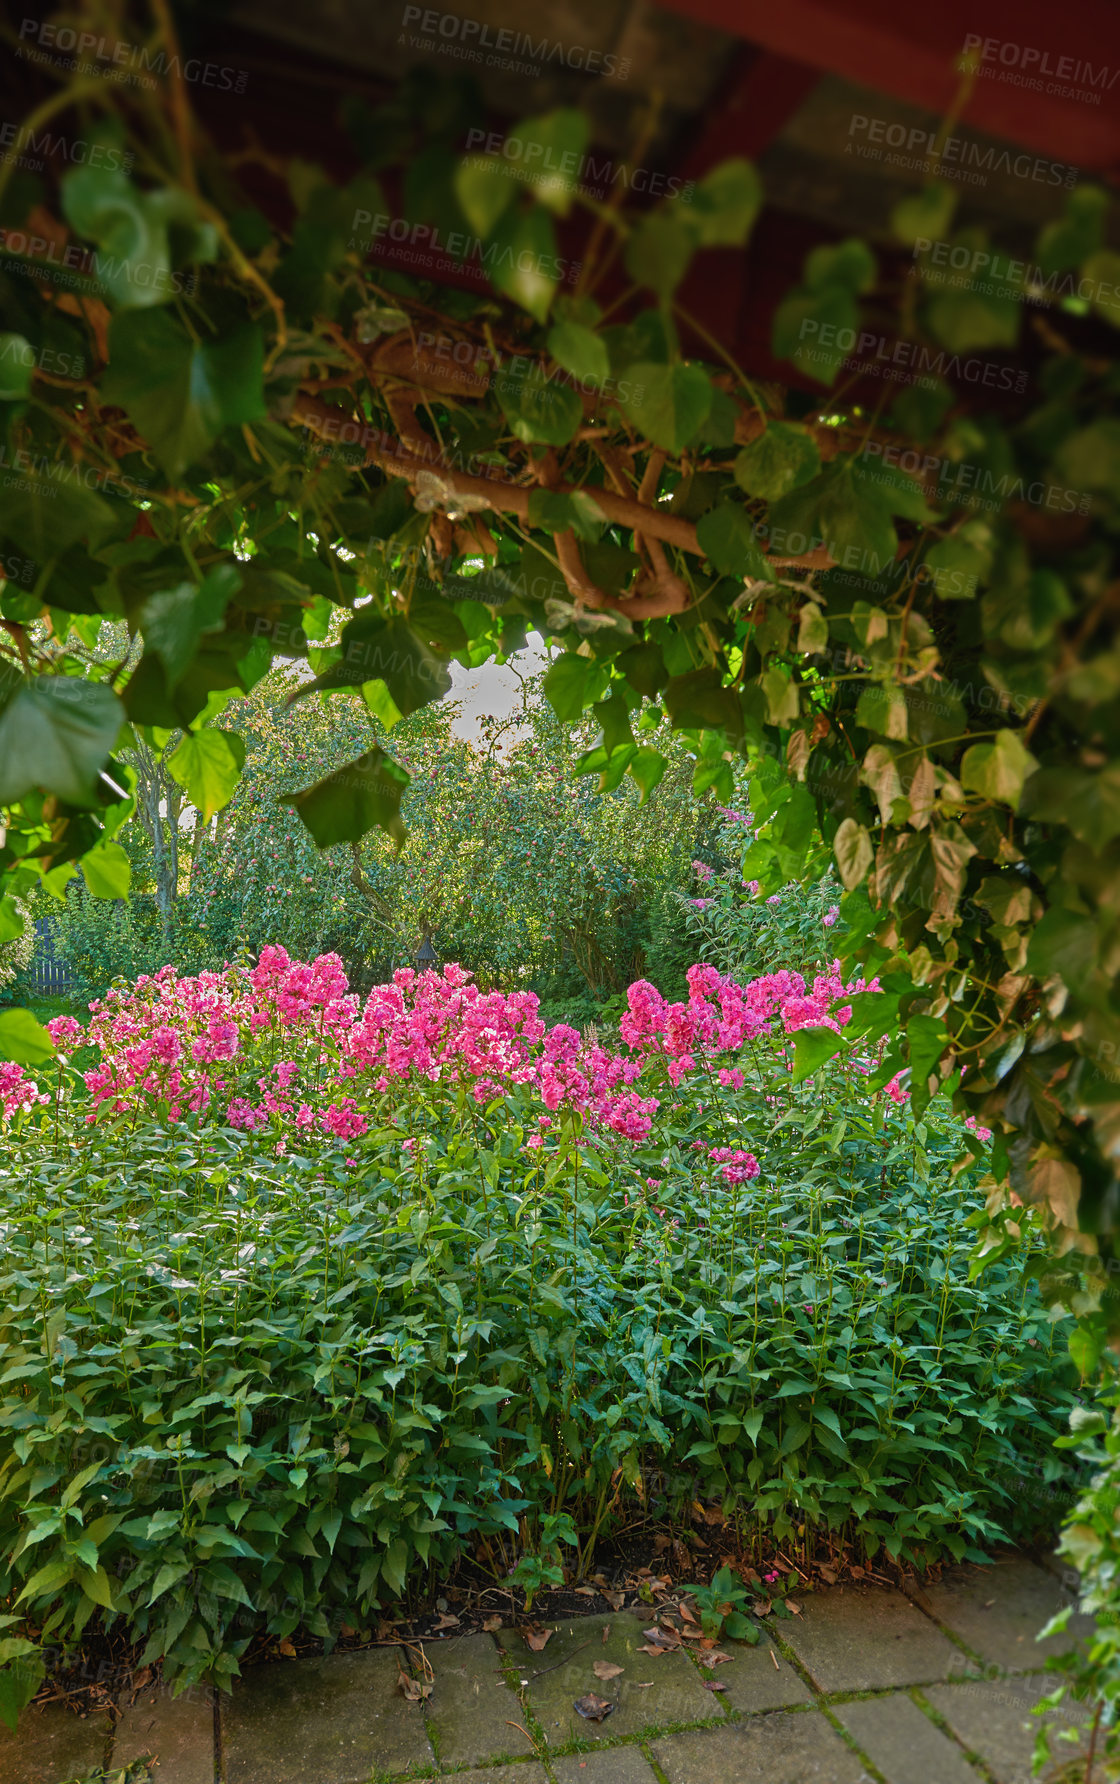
252	1386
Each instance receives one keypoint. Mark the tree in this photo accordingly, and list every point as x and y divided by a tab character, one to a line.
901	613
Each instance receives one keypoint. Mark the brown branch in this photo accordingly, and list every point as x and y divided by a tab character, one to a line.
512	498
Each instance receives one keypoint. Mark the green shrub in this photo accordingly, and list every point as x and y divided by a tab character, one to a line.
264	1377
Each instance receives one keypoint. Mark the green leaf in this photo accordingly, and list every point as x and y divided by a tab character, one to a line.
812	1048
23	1039
107	871
956	569
779	460
484	186
1102	271
57	734
726	536
362	796
570	685
855	520
998	769
854	853
722	208
555	513
700	701
207	765
668	403
850	266
550	150
658	252
523	261
925	215
536	408
17	366
579	351
809	328
180	393
926	1040
175	619
130	228
646	768
1064	943
44	512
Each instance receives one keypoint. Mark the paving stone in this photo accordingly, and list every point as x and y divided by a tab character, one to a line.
992	1717
902	1742
178	1730
777	1749
617	1765
51	1744
753	1682
471	1708
857	1639
324	1721
998	1611
675	1692
490	1774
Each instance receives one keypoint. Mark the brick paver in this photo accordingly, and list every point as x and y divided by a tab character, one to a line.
902	1742
855	1639
502	1713
999	1610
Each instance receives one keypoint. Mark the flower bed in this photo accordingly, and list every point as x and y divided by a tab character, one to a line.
303	1296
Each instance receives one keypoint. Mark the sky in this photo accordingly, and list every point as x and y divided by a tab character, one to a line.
493	690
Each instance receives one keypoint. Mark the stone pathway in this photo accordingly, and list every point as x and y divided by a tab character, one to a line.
866	1686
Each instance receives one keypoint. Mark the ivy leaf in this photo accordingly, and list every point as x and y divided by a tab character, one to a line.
812	1048
57	733
484	187
362	796
812	630
668	403
180	393
779	460
43	514
855	520
998	770
556	513
808	328
570	685
927	214
724	204
1064	943
783	699
579	350
550	150
1102	270
175	619
107	871
24	1039
522	261
647	767
727	538
854	853
956	569
537	408
207	765
699	701
17	366
131	229
658	252
926	1039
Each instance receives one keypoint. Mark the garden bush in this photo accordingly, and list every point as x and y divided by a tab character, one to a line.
304	1298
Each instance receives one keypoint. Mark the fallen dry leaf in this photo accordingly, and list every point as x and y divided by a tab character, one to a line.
413	1690
616	1600
794	1607
662	1636
492	1623
593	1707
606	1669
710	1685
715	1658
828	1575
285	1647
648	1648
536	1639
587	1591
446	1622
687	1612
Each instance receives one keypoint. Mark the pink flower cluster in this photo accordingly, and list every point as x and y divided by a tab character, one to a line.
287	1050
